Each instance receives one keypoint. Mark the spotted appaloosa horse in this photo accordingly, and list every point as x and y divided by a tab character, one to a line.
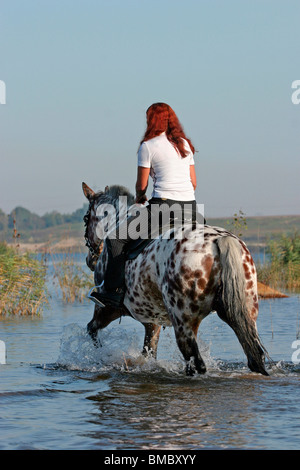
178	282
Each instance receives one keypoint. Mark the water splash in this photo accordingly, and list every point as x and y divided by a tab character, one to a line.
78	352
120	348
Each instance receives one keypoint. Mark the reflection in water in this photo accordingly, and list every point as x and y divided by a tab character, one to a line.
165	413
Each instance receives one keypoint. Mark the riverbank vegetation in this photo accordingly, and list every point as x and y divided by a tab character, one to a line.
22	283
24	276
283	268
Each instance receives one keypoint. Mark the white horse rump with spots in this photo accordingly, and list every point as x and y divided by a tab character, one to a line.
178	281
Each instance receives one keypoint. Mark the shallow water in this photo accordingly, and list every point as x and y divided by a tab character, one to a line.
58	391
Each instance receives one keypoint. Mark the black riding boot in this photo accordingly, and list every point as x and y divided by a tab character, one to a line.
114	281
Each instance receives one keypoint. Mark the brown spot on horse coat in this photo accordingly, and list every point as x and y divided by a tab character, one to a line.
207	264
201	283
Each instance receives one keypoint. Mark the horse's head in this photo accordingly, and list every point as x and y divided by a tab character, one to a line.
102	217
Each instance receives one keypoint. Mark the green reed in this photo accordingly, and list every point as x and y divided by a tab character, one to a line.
71	277
22	282
283	270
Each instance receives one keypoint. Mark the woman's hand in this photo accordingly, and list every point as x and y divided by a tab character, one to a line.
141	199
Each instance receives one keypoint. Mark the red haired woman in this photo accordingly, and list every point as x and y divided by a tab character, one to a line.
167	155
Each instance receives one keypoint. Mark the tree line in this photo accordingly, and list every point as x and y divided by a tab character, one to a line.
26	220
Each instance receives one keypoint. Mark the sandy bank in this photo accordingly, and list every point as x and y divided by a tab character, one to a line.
67	244
266	292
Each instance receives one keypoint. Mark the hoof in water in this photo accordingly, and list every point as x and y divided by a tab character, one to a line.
191	369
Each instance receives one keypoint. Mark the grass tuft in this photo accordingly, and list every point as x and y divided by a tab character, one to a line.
283	269
22	283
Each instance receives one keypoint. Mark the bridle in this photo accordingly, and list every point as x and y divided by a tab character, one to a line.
94	250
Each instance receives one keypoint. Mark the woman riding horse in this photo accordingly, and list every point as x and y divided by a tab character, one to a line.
167	155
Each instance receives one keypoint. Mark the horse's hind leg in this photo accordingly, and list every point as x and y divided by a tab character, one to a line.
151	339
186	341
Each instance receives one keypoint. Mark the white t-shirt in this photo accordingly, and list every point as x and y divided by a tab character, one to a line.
169	170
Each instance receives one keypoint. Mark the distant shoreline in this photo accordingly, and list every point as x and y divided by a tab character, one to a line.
70	236
74	245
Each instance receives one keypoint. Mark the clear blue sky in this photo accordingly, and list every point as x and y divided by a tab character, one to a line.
80	75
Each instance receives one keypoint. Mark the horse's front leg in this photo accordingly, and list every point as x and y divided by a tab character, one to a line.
93	331
102	318
152	333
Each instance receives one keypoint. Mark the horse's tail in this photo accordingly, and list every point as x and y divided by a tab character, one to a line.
233	307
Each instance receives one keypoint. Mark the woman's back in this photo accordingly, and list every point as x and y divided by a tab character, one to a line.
169	170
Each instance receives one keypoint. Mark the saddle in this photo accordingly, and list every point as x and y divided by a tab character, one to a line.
135	247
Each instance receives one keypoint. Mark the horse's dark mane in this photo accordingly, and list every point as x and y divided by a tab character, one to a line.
115	191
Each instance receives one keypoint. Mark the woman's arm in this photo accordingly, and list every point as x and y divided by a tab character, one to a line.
193	176
142	184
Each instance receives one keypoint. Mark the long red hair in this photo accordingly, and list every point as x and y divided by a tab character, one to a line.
162	118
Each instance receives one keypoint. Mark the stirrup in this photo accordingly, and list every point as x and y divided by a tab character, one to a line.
93	299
